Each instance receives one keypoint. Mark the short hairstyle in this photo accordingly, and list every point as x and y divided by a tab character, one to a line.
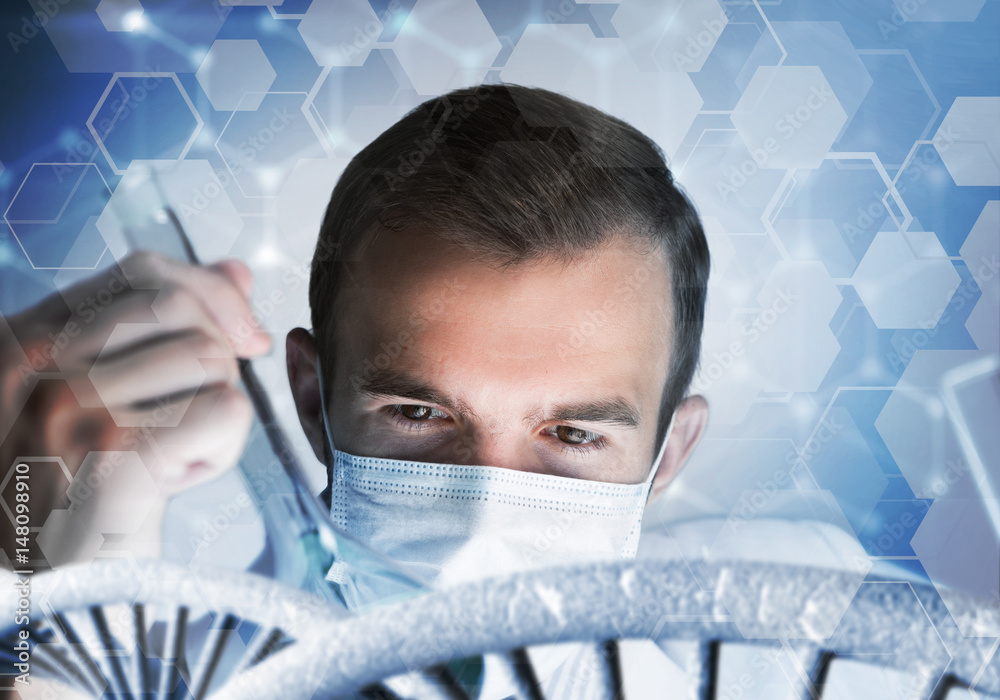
514	174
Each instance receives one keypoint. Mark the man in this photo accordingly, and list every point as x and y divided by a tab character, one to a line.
507	300
508	278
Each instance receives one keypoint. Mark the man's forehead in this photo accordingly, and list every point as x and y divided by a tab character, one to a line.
395	259
418	280
425	305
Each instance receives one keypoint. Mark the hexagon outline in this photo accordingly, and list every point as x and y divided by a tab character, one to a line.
310	119
768	75
773	208
142	74
889	182
276	15
65	204
923	83
52	221
861	280
313	118
826	411
312	114
19	460
947	592
917	255
205	64
774	34
663	24
917	16
410	40
962	141
321	60
906	161
922	141
663	37
949	381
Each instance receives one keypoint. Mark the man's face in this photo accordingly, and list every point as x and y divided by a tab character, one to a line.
550	367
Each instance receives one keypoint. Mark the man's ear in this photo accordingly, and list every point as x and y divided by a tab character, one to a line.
690	420
303	377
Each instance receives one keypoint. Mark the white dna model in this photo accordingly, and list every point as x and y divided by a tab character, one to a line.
124	629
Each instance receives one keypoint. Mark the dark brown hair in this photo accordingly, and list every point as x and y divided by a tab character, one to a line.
517	173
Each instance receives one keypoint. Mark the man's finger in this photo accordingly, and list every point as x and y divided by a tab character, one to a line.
208	438
165	365
219	295
238	272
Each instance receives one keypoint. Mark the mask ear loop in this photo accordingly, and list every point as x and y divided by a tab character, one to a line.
659	456
647	483
322	399
327	434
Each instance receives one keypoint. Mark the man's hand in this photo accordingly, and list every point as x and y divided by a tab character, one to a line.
130	379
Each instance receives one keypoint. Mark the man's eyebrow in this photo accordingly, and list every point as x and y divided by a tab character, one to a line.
384	383
616	411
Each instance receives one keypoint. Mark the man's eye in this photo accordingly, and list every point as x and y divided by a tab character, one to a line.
575	436
418	413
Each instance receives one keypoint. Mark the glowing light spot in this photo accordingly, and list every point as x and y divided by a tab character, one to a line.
135	21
